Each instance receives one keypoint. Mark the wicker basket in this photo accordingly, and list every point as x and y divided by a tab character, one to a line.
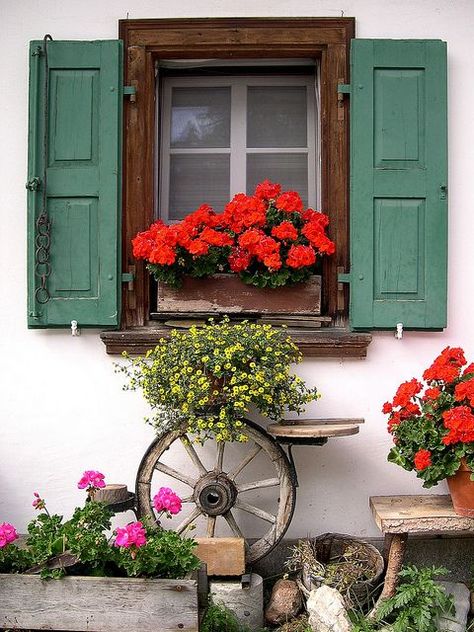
330	547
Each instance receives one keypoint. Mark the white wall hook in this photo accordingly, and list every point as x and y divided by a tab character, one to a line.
399	332
75	331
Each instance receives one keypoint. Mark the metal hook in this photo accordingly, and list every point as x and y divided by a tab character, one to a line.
399	332
75	331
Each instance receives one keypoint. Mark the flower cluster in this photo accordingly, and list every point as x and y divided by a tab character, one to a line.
433	423
8	534
140	549
167	501
208	377
92	481
268	238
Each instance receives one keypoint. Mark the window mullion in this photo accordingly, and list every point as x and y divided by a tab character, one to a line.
238	137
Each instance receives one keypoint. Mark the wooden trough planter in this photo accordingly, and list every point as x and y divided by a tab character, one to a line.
99	604
226	294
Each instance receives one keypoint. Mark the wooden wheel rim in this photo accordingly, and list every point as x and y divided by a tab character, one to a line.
264	442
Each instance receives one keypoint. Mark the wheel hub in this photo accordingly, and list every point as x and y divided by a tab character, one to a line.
215	494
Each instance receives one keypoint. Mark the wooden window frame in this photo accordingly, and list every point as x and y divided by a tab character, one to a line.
148	40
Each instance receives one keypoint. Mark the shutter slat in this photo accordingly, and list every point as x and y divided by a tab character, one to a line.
398	166
83	182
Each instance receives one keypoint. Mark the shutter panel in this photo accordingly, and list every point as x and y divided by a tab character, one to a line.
398	184
83	182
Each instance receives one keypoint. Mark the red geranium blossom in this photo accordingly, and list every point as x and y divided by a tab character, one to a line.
290	202
446	366
465	390
432	393
406	391
267	190
422	459
250	239
460	423
239	259
198	247
215	238
244	211
285	231
300	256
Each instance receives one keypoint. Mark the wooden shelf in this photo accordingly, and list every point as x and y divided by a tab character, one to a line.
321	343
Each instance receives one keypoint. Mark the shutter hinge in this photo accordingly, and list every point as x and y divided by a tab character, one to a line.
34	184
343	88
342	277
130	91
128	277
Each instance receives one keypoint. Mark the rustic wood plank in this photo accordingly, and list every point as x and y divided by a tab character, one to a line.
417	514
225	293
308	431
112	493
102	604
321	422
330	343
223	556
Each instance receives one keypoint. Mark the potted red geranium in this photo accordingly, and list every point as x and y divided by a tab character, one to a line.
267	240
432	425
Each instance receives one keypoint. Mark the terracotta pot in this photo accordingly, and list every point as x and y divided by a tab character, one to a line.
461	489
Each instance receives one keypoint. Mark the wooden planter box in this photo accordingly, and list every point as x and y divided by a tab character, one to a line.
98	604
226	294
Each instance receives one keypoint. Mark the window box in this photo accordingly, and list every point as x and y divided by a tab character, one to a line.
105	604
227	294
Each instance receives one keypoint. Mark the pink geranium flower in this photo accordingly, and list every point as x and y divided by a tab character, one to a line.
131	535
91	479
166	500
8	534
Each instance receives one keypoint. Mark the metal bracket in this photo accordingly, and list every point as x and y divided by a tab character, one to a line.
75	331
34	184
130	91
343	88
127	277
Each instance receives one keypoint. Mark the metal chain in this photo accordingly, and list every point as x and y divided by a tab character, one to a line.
43	223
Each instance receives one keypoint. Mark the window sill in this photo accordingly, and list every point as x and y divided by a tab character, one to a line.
330	343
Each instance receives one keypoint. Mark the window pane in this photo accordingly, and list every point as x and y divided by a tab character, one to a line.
198	179
290	170
200	117
276	116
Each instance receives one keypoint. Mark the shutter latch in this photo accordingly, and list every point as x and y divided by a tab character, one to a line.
34	184
130	91
342	277
128	277
342	89
399	332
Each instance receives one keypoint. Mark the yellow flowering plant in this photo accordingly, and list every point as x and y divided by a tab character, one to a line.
208	378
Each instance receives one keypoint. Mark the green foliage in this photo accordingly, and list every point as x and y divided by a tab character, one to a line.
45	537
209	377
218	618
14	560
418	601
166	554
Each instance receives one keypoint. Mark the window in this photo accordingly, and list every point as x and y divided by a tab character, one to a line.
222	135
325	42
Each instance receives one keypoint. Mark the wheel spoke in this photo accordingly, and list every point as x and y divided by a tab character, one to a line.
251	509
220	455
187	499
193	455
161	467
250	456
233	525
211	526
187	521
267	482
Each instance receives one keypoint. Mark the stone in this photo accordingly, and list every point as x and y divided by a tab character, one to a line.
327	612
285	602
245	602
462	603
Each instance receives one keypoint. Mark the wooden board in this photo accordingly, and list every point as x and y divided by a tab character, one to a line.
223	556
101	604
315	428
226	293
417	514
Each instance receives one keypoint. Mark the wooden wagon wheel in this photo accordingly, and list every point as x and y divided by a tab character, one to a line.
217	493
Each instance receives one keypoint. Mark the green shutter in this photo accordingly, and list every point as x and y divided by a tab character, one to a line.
398	184
83	182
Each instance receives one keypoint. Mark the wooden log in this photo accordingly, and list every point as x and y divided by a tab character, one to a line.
102	604
111	494
223	556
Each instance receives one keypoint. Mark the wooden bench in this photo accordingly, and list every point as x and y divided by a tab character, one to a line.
399	516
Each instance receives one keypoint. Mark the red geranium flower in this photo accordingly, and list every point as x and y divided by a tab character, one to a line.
243	212
422	459
215	238
406	391
267	190
198	247
285	231
300	256
290	202
239	260
447	366
387	408
250	239
432	393
465	390
460	423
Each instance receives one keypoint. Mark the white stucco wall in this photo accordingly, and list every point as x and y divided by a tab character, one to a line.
62	407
